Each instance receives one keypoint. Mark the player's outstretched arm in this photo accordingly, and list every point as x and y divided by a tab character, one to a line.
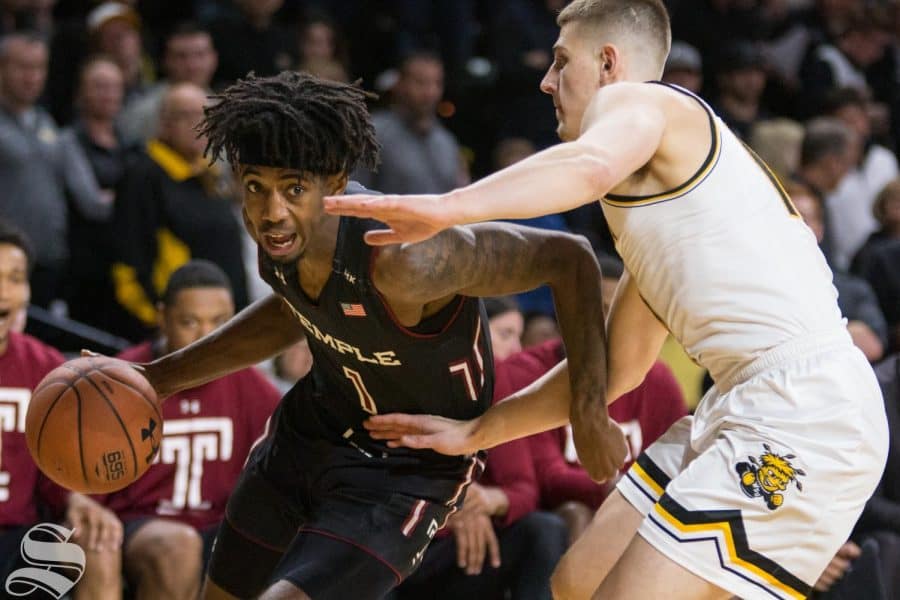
256	333
622	129
493	259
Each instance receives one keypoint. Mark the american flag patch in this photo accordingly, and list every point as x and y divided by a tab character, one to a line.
353	310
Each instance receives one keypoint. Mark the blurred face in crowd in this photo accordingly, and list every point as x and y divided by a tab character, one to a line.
259	10
119	39
857	118
194	313
14	289
180	112
810	210
101	90
539	329
864	47
747	85
191	58
573	78
283	209
506	333
23	71
687	78
421	86
318	42
889	216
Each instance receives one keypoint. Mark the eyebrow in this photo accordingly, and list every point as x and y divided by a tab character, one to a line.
288	175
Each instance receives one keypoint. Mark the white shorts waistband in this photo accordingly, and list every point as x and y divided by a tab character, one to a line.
784	353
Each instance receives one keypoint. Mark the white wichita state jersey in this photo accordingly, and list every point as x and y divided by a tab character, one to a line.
724	260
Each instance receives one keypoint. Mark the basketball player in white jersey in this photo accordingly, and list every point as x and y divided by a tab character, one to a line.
752	495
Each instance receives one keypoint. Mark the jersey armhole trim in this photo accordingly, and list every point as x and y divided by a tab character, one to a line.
712	158
460	299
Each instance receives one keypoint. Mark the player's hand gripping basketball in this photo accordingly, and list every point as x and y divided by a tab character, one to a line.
447	436
410	218
600	444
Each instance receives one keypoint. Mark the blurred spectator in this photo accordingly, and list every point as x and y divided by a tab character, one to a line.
444	26
778	142
37	172
856	299
188	57
539	328
850	205
886	211
842	62
741	81
684	67
171	514
174	206
880	519
26	495
506	324
320	41
252	41
291	365
521	37
325	68
829	150
115	30
89	292
882	271
418	155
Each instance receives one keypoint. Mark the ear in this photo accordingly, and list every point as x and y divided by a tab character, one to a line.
608	59
335	184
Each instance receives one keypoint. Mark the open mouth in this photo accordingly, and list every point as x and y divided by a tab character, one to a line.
280	244
5	313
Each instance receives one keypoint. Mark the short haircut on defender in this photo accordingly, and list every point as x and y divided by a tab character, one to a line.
647	21
293	121
195	274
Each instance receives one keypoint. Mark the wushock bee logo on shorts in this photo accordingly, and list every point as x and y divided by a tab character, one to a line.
769	475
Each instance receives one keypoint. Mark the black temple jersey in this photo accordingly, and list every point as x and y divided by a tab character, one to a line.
365	362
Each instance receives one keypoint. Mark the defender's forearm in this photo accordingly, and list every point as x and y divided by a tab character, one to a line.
554	180
541	406
255	334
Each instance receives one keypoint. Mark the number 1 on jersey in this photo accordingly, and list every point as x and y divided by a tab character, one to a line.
365	398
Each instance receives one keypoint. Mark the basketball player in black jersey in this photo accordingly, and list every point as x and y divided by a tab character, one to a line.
322	510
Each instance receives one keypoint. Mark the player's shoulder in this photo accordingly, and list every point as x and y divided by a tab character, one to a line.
33	352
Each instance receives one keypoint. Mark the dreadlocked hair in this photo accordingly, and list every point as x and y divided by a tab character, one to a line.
292	120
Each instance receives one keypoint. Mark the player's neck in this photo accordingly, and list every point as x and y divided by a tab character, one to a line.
314	267
4	343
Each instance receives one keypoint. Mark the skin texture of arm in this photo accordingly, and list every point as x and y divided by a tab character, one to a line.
258	332
635	339
622	131
494	259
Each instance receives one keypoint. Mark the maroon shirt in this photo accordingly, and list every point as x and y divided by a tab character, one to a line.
23	488
207	433
645	413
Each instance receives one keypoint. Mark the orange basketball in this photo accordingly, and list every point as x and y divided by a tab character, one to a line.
93	425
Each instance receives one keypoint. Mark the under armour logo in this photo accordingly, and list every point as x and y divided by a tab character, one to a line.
47	547
350	277
147	433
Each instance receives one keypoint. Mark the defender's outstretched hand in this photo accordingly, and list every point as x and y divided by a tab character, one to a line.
447	436
410	218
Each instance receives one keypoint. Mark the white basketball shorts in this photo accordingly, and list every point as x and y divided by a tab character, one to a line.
758	490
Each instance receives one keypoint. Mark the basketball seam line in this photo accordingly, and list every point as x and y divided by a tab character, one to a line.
47	414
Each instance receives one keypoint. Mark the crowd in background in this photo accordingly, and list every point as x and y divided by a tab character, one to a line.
102	170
